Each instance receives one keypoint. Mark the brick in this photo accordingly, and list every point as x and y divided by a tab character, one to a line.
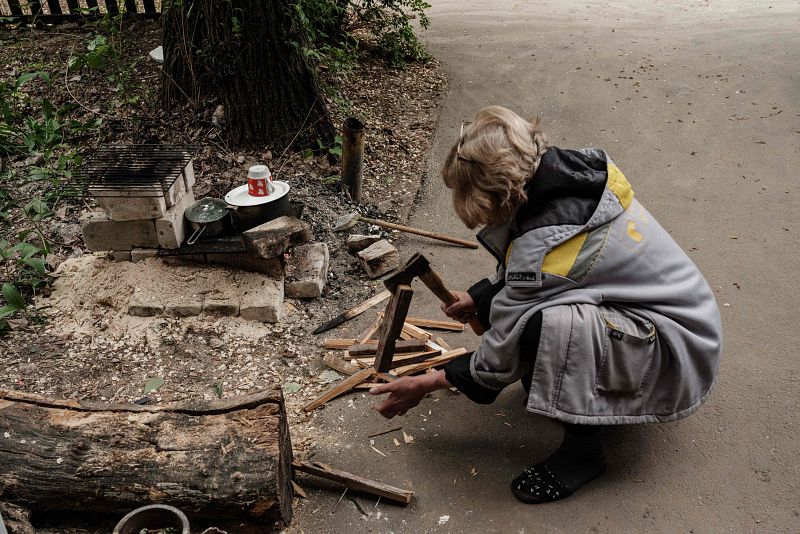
121	255
357	243
273	238
100	233
263	301
307	271
129	208
188	176
143	304
184	306
242	260
171	228
226	307
139	254
379	258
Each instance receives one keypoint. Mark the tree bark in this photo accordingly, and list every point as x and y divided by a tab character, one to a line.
240	52
229	458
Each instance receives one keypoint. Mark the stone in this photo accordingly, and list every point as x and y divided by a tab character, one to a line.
226	307
307	271
357	243
379	258
242	260
171	228
157	54
139	254
121	255
101	233
273	238
144	305
184	306
188	176
130	208
263	301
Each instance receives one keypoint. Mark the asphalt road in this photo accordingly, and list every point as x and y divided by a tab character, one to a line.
698	103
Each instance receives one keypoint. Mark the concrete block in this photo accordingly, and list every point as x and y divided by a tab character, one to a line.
242	260
379	258
307	271
184	306
121	255
226	307
130	208
139	254
176	191
263	301
143	304
188	176
273	238
171	228
357	243
101	233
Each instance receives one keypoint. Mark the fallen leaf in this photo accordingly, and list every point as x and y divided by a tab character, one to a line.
300	491
153	384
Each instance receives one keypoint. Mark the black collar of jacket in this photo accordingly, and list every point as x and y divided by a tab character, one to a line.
565	189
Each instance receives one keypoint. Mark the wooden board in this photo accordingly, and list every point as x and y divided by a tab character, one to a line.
354	482
339	388
434	324
393	320
410	345
427	364
338	364
416	332
400	360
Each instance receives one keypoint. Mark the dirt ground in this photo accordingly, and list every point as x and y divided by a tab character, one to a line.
696	101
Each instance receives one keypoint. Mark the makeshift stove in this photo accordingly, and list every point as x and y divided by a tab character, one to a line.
143	192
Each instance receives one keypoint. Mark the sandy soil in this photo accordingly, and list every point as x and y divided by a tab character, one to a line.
697	103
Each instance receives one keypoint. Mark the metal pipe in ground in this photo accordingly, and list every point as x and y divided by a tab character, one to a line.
352	156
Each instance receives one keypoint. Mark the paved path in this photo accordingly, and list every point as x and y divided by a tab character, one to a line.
697	102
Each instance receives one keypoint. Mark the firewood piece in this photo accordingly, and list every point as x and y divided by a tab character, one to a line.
354	311
354	482
356	242
411	345
379	258
434	324
338	364
112	458
341	387
416	332
442	343
366	385
367	334
386	377
427	364
338	343
400	360
393	321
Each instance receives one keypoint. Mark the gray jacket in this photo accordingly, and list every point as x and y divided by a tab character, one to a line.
631	332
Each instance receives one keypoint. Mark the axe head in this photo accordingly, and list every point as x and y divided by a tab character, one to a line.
415	266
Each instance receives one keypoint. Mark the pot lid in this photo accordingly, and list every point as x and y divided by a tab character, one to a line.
206	210
240	196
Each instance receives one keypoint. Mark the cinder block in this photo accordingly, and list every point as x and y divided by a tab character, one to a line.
226	307
242	260
307	271
357	243
184	306
263	301
130	208
188	176
143	304
273	238
379	258
171	228
101	233
139	254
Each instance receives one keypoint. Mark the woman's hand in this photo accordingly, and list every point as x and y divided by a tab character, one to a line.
407	392
462	309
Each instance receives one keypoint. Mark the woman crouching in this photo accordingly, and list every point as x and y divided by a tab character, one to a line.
594	307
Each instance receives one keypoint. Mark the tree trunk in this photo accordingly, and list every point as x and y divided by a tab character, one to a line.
240	52
229	458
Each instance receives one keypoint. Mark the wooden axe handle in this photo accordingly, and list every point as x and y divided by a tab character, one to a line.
433	235
435	284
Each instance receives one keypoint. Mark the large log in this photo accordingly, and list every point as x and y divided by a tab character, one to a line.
229	458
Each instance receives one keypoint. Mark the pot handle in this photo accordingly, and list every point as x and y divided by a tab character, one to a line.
195	235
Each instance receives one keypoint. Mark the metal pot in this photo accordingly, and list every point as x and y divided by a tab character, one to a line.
246	217
154	516
207	217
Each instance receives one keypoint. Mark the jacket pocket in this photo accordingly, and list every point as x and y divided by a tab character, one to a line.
629	346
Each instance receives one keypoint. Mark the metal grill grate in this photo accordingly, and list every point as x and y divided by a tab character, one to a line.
129	171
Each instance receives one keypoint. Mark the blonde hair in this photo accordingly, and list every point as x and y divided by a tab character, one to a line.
488	167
